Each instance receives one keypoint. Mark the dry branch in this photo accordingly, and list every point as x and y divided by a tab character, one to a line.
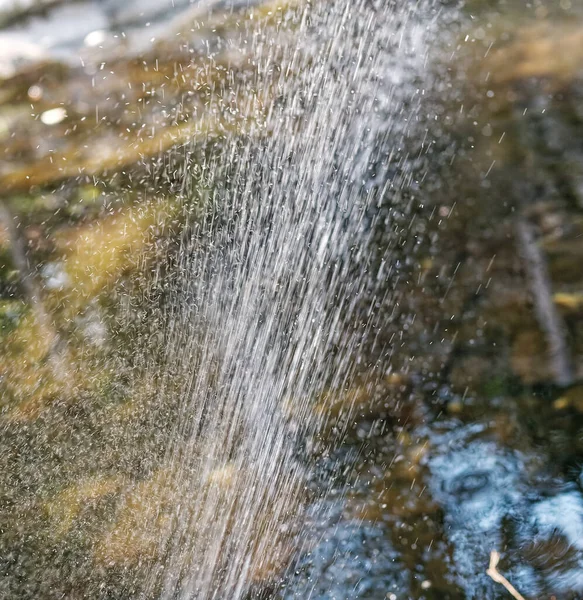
499	578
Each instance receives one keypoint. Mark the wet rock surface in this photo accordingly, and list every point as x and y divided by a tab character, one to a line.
352	561
491	460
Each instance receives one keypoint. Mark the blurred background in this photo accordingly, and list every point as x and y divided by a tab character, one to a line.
472	440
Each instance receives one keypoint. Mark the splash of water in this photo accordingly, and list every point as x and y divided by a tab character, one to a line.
272	278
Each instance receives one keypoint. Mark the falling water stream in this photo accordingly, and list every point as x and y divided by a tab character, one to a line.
271	279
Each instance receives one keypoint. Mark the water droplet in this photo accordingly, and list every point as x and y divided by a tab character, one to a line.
53	116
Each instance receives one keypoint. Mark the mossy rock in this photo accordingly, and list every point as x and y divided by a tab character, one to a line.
11	312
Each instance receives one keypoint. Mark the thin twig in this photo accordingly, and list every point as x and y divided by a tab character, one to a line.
547	314
499	578
535	262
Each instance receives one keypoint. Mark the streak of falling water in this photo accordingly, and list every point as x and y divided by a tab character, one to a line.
271	279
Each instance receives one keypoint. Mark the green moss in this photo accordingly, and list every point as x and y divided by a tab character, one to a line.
496	386
11	312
